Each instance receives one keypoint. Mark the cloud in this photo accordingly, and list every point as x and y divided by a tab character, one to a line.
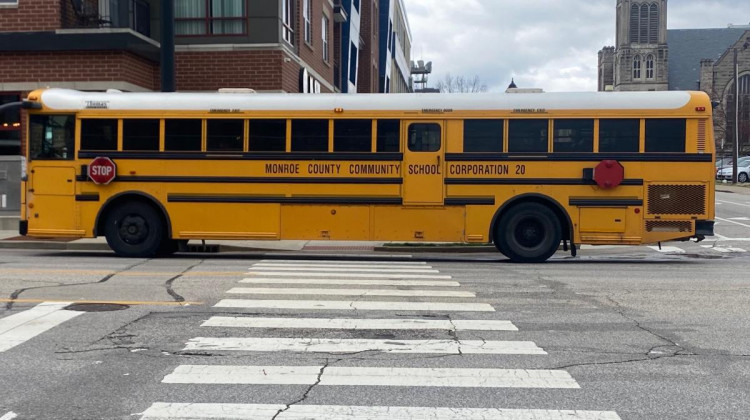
550	44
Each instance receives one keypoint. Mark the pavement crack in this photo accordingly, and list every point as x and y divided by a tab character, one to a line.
453	333
170	282
309	389
14	296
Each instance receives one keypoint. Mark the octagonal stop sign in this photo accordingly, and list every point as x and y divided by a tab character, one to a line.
102	170
609	174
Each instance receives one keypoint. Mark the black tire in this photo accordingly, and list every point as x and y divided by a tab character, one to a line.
134	230
528	233
742	177
168	247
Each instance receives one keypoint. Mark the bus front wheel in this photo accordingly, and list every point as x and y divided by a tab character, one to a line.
134	230
528	232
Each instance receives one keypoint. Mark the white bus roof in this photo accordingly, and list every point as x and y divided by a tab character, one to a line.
73	100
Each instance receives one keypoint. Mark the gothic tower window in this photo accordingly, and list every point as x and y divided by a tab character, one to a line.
650	66
637	67
635	11
644	24
653	24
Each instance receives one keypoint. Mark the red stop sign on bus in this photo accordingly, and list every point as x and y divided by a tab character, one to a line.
102	170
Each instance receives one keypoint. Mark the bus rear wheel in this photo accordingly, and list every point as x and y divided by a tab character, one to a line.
134	230
528	233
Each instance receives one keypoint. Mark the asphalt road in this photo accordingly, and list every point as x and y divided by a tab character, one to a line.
625	332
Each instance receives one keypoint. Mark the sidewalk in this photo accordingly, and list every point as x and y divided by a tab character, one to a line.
12	240
733	189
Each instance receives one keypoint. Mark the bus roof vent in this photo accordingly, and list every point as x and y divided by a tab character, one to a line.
237	90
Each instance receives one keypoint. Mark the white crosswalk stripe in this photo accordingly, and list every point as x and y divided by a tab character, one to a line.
359	324
23	326
371	376
159	411
668	249
350	282
724	249
363	279
348	292
332	345
354	305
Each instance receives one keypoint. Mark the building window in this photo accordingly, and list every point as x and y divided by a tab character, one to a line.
653	24
644	24
287	14
353	64
637	67
650	66
10	125
8	3
210	17
326	52
307	16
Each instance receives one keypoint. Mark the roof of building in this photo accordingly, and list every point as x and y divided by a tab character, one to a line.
71	100
687	47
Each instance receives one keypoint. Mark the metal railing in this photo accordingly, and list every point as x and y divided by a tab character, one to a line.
133	14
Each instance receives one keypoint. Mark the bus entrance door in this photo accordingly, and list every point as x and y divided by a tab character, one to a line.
423	163
52	195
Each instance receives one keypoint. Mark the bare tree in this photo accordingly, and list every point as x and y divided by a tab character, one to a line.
461	84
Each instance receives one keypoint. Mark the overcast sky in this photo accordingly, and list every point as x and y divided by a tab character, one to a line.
549	44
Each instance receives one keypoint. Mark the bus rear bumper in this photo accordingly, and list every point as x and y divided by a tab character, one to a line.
704	227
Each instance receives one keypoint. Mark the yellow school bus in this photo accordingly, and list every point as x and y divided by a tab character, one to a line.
525	171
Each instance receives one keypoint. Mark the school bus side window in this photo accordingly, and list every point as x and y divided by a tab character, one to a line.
183	135
483	136
575	135
51	136
352	136
99	134
267	135
225	135
619	136
309	135
424	138
140	134
665	135
527	136
389	139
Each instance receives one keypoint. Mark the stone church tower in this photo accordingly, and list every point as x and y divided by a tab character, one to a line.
641	55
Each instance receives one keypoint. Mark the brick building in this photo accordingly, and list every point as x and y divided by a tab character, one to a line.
311	46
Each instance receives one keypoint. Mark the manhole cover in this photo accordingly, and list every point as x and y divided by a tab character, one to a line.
96	307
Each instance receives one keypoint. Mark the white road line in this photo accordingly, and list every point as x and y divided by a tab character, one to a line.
346	270
416	263
351	305
23	326
668	249
335	345
199	411
340	282
371	376
9	416
347	292
724	250
732	202
732	221
342	265
352	275
360	324
740	219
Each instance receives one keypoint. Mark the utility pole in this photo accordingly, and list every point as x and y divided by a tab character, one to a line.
167	46
735	175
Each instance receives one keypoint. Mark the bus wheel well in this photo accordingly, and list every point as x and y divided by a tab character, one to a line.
563	217
127	197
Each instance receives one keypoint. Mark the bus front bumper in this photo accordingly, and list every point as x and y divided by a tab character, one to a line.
704	228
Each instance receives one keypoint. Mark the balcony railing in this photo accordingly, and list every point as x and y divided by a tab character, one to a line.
133	14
